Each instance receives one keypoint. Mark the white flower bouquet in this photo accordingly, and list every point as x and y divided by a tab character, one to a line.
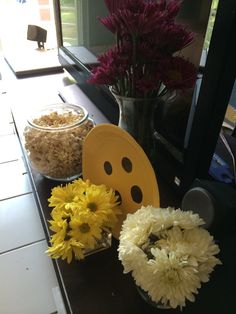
168	253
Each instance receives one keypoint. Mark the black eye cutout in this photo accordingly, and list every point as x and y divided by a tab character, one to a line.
136	194
107	167
127	164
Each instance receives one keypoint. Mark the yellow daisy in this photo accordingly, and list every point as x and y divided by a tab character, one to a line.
82	213
112	218
66	249
60	229
100	203
63	245
81	185
85	230
63	196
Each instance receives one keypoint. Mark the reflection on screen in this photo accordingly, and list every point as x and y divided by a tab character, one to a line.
81	26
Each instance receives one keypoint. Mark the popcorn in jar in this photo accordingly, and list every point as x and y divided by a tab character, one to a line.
54	138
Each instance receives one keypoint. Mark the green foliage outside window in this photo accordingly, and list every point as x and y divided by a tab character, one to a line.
211	22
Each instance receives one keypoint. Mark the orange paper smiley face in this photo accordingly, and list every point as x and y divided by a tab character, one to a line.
112	157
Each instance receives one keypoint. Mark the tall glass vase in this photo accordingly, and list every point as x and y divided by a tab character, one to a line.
136	117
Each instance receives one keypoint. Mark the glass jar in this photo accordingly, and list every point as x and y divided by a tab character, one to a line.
53	140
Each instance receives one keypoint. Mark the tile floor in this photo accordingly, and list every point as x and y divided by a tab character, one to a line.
28	284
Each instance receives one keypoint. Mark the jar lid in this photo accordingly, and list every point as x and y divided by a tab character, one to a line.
58	116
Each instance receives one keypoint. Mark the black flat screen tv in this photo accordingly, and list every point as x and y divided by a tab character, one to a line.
81	37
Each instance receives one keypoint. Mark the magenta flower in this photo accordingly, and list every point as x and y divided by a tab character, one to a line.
172	37
111	23
148	53
147	39
177	73
113	66
173	8
146	83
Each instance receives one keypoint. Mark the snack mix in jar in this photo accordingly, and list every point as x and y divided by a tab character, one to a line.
54	139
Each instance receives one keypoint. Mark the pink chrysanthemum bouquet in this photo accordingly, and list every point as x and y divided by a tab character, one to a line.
146	60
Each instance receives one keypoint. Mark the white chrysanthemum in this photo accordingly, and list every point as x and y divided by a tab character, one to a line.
132	257
167	252
138	225
195	242
153	220
169	217
176	279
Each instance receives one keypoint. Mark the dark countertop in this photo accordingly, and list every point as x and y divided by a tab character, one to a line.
97	285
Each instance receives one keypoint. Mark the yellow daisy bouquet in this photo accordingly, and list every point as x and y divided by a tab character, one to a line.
83	216
168	253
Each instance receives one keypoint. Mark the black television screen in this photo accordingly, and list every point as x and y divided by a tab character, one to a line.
83	37
184	147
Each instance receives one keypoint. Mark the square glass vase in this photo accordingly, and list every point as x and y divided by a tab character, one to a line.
101	245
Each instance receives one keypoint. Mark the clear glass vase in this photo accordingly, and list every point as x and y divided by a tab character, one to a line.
101	245
136	117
